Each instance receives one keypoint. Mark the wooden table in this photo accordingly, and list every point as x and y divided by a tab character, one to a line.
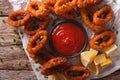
14	64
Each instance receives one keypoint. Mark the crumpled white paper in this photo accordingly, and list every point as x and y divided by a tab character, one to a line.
21	4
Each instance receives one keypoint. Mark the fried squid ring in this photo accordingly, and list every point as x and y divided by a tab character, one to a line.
54	65
102	40
88	21
76	73
38	9
36	24
50	4
43	56
37	42
18	18
69	15
91	10
103	15
84	3
64	6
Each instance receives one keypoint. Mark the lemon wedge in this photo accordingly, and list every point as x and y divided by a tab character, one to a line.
100	59
57	76
95	69
85	58
110	50
88	57
106	62
93	53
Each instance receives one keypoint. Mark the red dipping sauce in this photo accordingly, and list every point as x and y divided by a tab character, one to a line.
68	39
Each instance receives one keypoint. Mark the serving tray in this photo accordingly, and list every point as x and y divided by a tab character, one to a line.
114	25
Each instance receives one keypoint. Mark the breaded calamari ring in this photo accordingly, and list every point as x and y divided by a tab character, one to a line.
18	18
87	20
38	9
102	40
91	10
76	73
103	15
69	15
84	3
43	56
36	24
50	4
37	42
64	6
54	65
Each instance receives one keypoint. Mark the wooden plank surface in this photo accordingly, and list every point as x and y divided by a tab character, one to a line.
5	7
13	60
14	64
17	75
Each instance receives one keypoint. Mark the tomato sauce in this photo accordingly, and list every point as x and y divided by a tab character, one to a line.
68	39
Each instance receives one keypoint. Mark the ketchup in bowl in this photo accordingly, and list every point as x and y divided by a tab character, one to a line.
68	38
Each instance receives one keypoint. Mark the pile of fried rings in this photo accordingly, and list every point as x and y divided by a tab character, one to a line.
36	18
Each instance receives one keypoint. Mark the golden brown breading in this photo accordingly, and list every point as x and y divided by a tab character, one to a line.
87	20
54	65
38	9
36	24
102	40
103	15
18	18
76	73
84	3
37	42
